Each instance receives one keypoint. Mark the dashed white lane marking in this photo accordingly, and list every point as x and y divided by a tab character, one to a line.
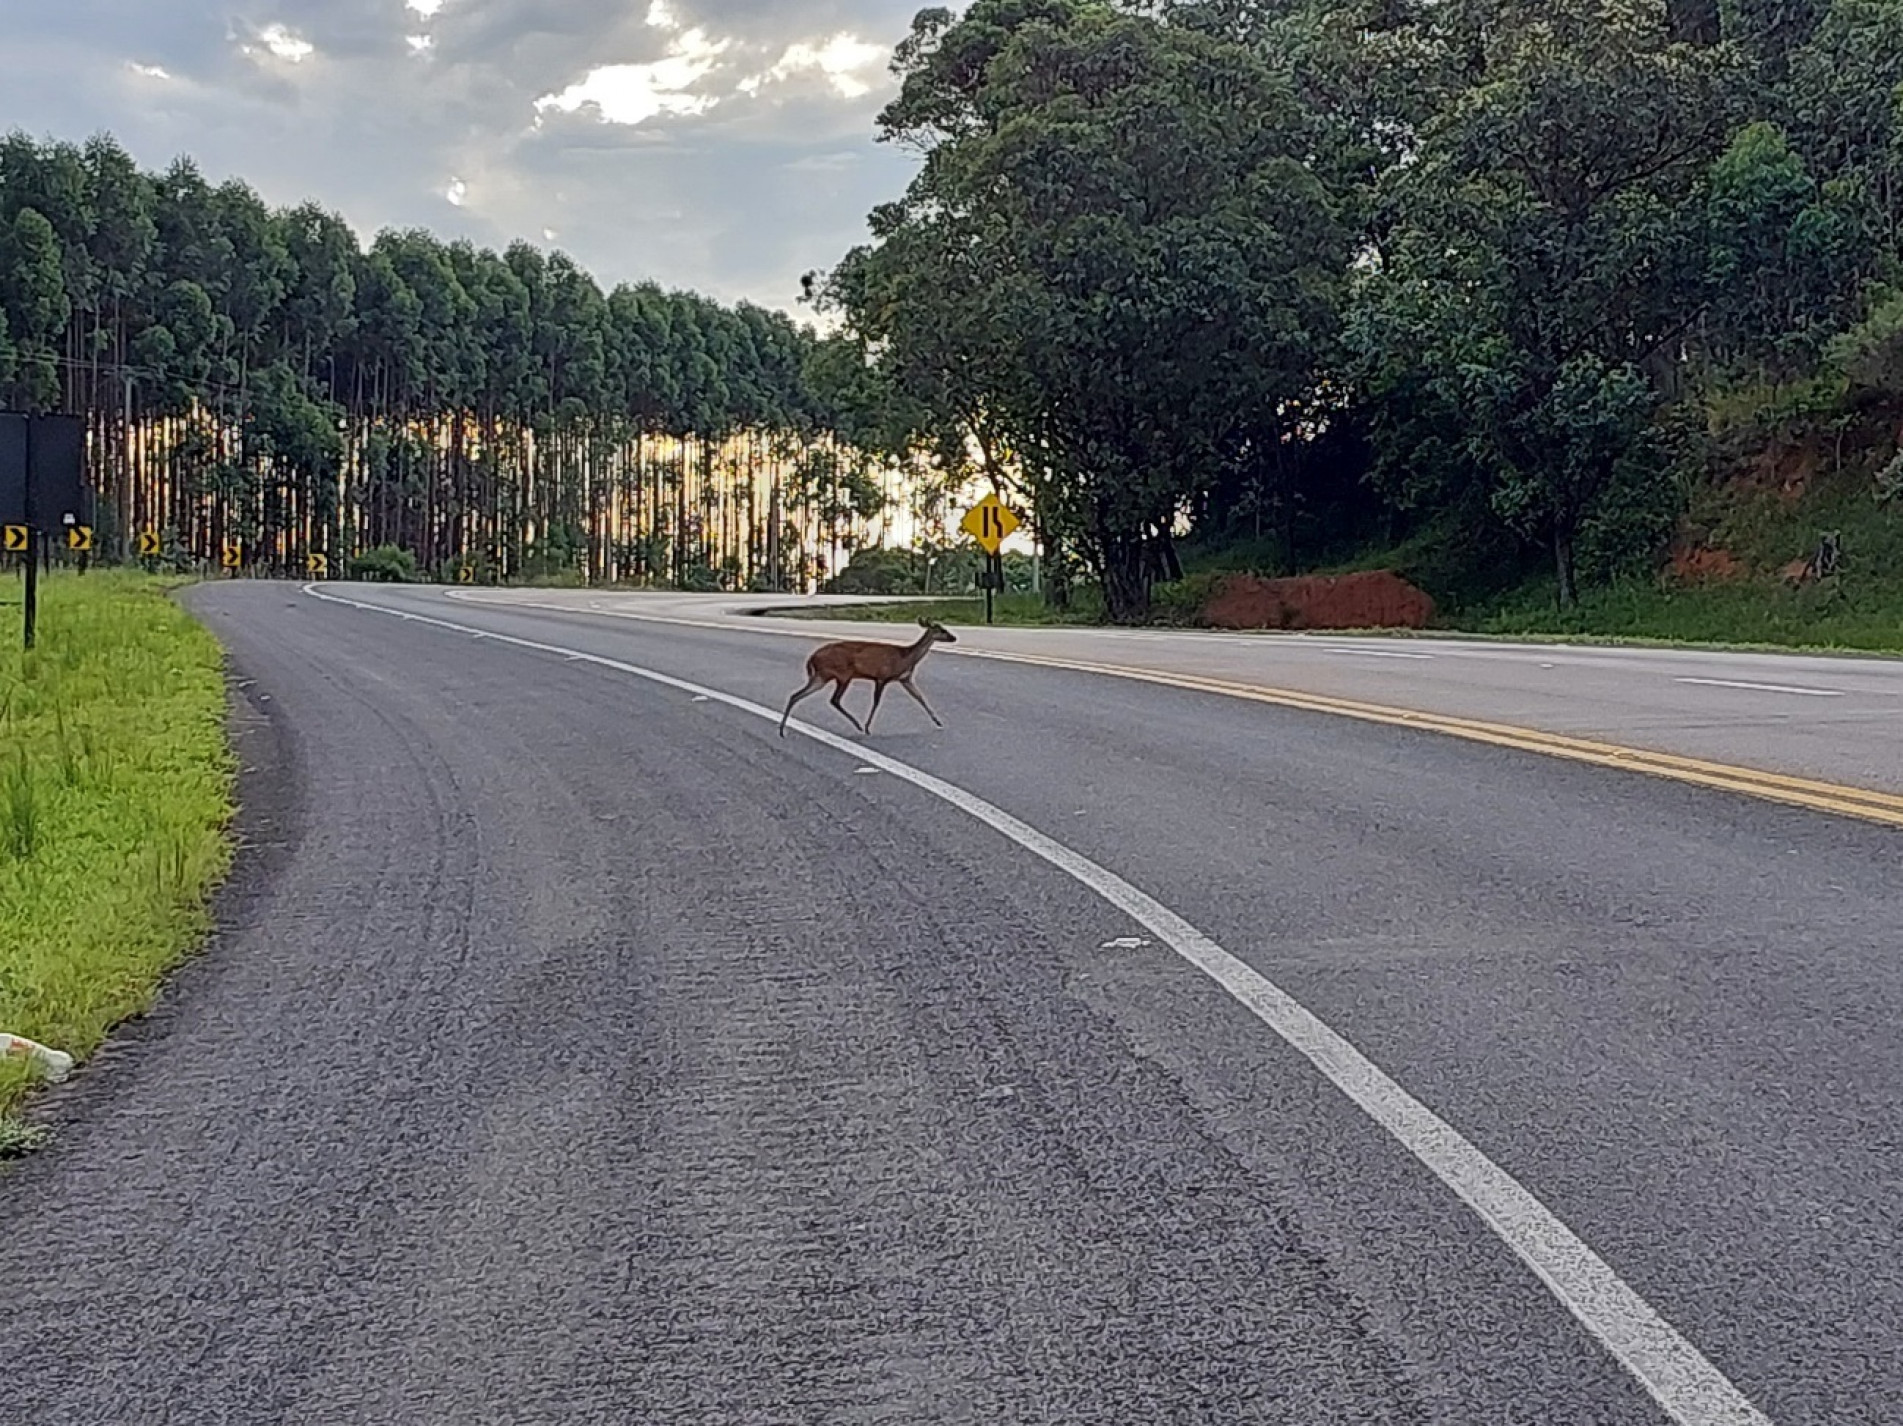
1677	1375
1764	687
1376	654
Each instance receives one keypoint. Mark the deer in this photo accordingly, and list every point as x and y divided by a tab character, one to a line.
843	663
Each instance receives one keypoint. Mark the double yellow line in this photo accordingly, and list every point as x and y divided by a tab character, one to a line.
1863	803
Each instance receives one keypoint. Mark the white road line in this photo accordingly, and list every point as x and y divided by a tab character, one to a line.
1692	1391
1376	654
1764	687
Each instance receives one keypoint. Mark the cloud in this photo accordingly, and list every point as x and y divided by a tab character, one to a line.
285	45
846	61
724	145
635	93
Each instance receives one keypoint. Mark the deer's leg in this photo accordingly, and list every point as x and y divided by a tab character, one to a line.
878	692
839	692
906	684
813	685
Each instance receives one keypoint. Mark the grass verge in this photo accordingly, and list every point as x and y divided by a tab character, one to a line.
1753	614
1009	608
116	787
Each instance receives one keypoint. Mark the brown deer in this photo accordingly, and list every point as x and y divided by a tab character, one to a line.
842	663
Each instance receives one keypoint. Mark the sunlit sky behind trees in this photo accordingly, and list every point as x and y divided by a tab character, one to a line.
719	145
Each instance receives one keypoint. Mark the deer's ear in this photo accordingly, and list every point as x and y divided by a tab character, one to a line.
925	623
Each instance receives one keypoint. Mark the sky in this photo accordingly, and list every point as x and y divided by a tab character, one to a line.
720	145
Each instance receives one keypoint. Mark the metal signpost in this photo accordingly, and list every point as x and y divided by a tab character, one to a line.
990	522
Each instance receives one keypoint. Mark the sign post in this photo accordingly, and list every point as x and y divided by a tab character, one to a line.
32	598
990	522
79	539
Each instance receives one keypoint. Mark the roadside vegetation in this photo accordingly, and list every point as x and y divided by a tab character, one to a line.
1580	315
1012	607
115	791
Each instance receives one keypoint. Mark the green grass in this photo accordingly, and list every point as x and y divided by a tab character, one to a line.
1010	608
1749	615
1832	617
116	786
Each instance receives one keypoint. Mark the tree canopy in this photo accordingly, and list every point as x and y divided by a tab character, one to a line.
1181	264
1304	276
261	378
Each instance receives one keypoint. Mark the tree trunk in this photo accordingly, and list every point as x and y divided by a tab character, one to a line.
1168	561
1563	566
1056	575
1126	578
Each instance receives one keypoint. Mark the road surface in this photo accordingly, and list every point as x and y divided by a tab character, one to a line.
575	1049
1836	718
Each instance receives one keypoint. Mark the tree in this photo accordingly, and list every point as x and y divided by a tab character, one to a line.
1787	257
1550	254
33	287
1114	250
257	374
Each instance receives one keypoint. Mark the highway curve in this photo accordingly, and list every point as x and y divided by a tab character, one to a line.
573	1049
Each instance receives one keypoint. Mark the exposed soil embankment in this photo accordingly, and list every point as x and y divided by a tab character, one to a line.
1375	599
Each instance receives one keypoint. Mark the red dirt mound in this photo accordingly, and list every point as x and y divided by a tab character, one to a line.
1375	599
1696	564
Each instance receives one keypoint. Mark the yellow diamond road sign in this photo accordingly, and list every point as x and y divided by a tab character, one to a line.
79	537
989	522
148	543
12	538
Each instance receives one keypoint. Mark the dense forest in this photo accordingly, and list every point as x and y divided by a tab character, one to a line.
1510	292
256	378
1520	279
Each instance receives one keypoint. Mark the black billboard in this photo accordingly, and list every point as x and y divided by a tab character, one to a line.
42	471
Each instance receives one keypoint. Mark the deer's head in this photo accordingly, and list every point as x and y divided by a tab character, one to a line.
938	633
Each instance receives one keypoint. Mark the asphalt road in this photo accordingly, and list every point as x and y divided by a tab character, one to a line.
578	1051
1835	718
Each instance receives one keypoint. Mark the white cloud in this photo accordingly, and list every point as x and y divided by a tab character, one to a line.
549	235
456	192
376	129
635	93
285	45
419	44
844	60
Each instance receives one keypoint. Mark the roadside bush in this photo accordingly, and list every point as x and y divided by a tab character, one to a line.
386	564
